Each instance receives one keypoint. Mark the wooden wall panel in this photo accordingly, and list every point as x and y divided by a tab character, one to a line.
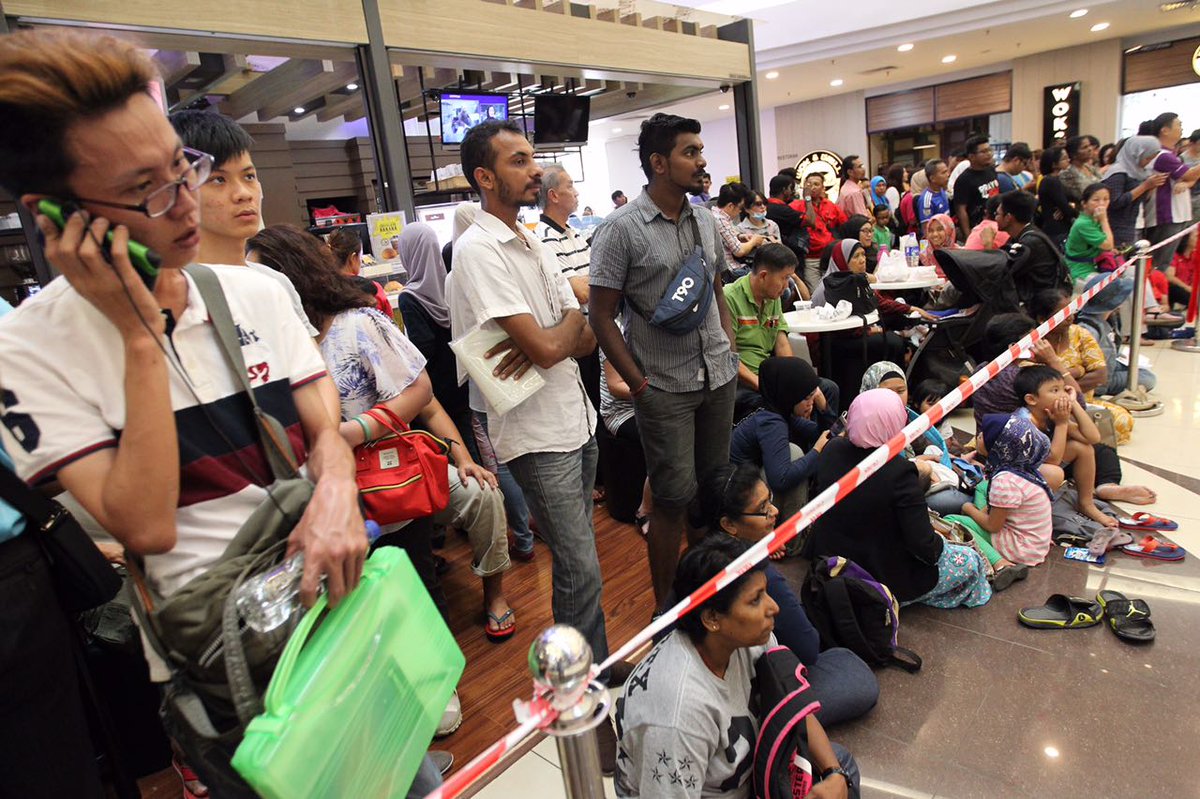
471	27
990	94
273	158
900	110
1097	66
1155	69
313	20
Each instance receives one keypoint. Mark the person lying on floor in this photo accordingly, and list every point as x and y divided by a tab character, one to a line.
786	435
884	525
1053	407
735	501
684	722
1021	484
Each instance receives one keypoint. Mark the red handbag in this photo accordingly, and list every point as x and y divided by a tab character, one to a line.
404	474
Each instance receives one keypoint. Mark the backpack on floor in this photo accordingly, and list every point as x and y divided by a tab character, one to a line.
852	609
782	766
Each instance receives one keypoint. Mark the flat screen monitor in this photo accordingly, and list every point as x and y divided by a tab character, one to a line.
560	119
461	112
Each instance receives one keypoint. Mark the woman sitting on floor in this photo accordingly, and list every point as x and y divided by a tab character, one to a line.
884	525
734	500
684	719
786	436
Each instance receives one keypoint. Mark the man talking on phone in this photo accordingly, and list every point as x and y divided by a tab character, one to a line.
130	404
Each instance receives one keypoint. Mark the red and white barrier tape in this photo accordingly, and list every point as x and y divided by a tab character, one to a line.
817	507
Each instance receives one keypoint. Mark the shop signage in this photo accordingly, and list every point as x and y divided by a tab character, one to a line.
385	231
825	163
1060	113
1196	61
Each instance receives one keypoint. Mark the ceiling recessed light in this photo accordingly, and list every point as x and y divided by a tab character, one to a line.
351	87
1079	12
904	48
616	130
723	107
836	82
298	109
772	75
1099	26
949	59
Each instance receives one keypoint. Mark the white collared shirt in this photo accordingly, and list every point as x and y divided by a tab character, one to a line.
497	274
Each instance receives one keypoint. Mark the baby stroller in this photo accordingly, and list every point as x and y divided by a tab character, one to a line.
950	352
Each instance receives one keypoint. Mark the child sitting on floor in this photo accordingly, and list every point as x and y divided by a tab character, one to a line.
929	392
1053	407
1020	489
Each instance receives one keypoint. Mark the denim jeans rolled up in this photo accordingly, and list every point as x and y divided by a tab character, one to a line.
558	488
845	686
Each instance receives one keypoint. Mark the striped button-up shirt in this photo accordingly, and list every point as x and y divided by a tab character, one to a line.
638	251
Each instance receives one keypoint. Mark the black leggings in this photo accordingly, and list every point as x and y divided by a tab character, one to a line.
415	538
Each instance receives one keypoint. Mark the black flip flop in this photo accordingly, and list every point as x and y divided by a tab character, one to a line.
1062	612
1005	577
1128	618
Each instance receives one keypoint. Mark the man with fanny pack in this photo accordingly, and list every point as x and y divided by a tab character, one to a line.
661	259
131	404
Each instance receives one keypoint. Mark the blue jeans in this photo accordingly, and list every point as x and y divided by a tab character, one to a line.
844	685
948	501
1118	378
558	488
514	501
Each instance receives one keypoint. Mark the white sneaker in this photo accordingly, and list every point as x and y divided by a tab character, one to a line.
451	719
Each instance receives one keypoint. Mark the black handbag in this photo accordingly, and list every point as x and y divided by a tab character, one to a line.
83	578
852	287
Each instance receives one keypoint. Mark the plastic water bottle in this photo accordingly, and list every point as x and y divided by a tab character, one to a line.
269	600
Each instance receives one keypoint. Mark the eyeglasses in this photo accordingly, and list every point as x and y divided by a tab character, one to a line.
768	509
162	200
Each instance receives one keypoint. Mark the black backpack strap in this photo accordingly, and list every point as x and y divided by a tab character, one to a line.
33	504
906	659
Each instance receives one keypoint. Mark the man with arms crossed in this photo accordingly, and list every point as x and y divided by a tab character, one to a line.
683	385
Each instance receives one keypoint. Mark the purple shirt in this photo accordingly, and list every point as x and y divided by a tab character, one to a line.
1166	161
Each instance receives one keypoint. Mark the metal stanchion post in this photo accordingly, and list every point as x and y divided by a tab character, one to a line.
1139	300
561	661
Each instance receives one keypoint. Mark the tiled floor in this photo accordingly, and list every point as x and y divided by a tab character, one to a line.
1003	711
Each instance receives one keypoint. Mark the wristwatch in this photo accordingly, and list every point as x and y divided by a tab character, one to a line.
827	773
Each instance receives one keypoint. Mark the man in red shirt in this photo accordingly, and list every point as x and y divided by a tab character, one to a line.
822	218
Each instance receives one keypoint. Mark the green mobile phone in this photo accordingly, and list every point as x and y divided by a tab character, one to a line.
144	259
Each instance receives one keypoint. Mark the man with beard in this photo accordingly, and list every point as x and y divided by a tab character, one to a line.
505	279
683	385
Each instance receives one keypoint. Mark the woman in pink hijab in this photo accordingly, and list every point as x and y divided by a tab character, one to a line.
939	232
883	525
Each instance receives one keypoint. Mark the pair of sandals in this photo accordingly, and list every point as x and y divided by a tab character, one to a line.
1129	619
1139	403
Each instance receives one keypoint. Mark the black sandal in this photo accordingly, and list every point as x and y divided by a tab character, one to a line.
1129	619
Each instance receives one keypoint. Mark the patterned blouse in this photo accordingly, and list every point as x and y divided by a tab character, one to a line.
369	359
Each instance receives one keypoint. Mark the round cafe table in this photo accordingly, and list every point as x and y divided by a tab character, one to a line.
905	285
802	322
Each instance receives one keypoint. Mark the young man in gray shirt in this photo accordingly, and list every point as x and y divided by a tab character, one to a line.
683	385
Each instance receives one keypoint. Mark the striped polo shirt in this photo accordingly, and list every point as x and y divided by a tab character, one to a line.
570	249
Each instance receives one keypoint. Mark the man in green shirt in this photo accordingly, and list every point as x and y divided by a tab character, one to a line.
758	324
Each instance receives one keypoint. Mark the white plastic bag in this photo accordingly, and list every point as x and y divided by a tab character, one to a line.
503	395
892	268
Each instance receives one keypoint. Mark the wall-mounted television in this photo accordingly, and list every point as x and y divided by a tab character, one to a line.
560	119
461	112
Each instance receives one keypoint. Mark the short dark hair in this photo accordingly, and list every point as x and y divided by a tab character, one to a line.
931	166
1050	157
476	149
616	194
779	184
1090	190
882	207
928	389
209	132
658	136
1095	142
1163	120
1004	330
1030	380
847	165
1018	149
973	143
1044	302
791	172
1021	205
1073	144
774	257
700	564
1195	137
993	205
733	193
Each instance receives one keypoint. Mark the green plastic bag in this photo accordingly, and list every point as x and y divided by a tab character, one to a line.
353	704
